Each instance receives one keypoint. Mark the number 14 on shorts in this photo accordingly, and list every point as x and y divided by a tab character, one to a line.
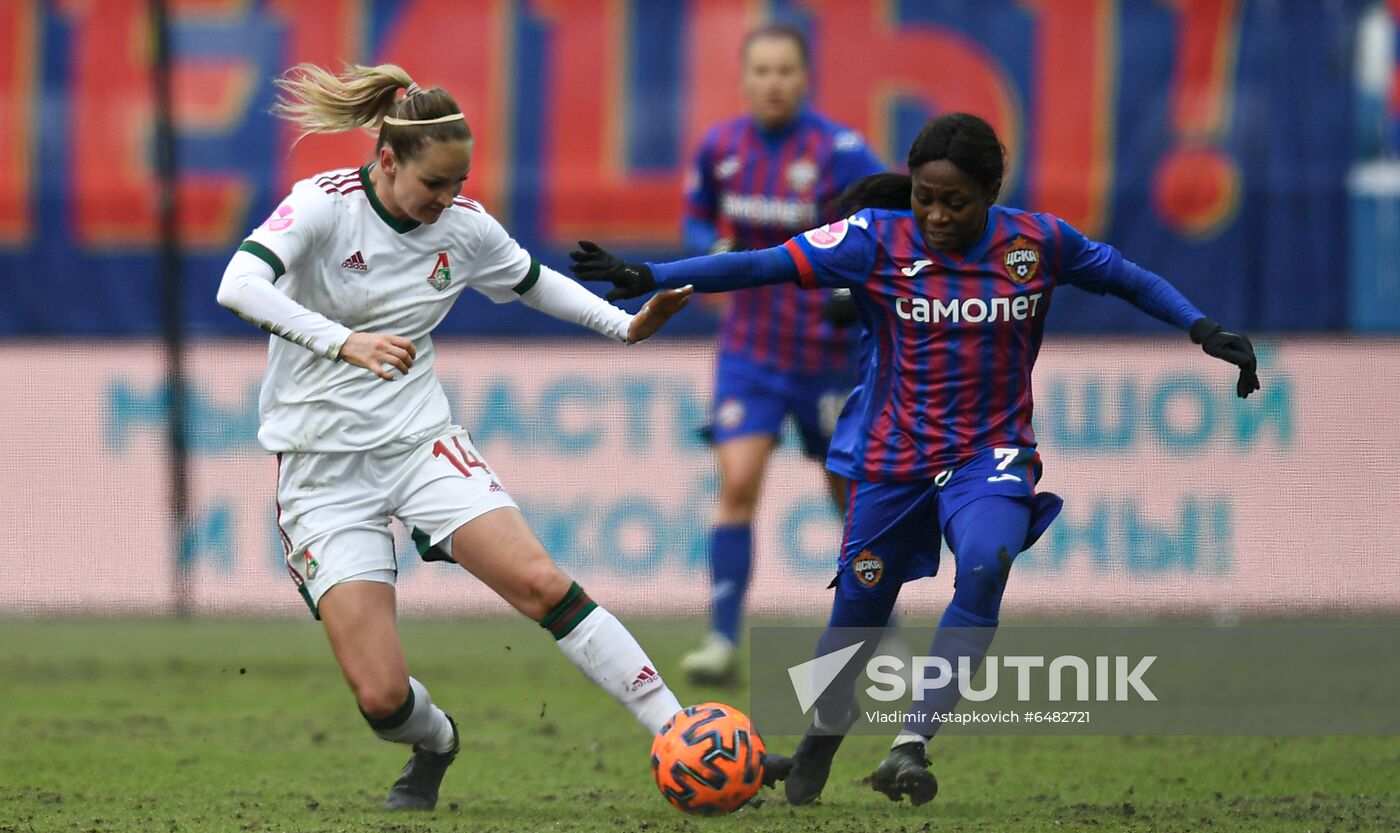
464	459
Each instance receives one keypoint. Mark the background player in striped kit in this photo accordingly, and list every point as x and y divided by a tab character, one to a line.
352	273
936	441
757	180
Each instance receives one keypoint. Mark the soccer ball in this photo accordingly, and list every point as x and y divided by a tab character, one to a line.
708	760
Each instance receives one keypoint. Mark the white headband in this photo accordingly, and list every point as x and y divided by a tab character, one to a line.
439	120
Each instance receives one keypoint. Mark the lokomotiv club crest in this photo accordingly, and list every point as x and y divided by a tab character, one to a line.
441	275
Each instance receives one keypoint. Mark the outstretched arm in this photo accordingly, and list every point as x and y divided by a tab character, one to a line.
564	299
1100	268
708	273
1152	294
1231	347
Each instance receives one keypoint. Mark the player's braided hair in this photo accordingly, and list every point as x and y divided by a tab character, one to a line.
320	101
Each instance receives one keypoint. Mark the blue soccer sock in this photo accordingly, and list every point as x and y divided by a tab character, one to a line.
962	636
731	562
865	612
852	621
987	534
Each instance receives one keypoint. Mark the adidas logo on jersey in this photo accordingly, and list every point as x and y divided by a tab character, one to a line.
355	262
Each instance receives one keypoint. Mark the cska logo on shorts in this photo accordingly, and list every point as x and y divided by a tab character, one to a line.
1022	259
868	568
730	414
441	275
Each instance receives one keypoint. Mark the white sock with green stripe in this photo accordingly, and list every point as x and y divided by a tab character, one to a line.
607	654
417	721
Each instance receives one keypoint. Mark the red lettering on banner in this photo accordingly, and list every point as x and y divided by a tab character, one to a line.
868	64
589	191
1394	7
715	32
327	33
470	58
1075	56
1196	187
464	46
114	200
212	95
18	23
214	8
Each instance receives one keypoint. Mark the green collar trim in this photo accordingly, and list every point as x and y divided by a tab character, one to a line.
401	226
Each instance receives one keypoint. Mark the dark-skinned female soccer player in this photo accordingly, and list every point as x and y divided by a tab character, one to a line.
935	441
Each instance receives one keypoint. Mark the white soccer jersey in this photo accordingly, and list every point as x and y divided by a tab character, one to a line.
338	252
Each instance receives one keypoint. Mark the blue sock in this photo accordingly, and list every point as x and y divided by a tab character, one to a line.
987	535
867	614
960	634
731	561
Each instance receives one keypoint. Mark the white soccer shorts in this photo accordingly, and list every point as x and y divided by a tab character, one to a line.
334	508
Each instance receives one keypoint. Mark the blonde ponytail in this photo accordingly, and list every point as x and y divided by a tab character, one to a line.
318	101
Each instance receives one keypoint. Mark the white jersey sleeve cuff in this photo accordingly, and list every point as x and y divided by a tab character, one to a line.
566	300
247	290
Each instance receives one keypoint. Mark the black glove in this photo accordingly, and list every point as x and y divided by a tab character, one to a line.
840	310
1231	347
629	280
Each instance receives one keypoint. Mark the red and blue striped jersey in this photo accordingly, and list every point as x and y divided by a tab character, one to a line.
951	339
759	188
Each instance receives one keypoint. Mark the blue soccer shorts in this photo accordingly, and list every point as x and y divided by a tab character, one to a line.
894	530
751	399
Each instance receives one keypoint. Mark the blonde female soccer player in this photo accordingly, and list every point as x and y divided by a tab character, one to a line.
351	273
